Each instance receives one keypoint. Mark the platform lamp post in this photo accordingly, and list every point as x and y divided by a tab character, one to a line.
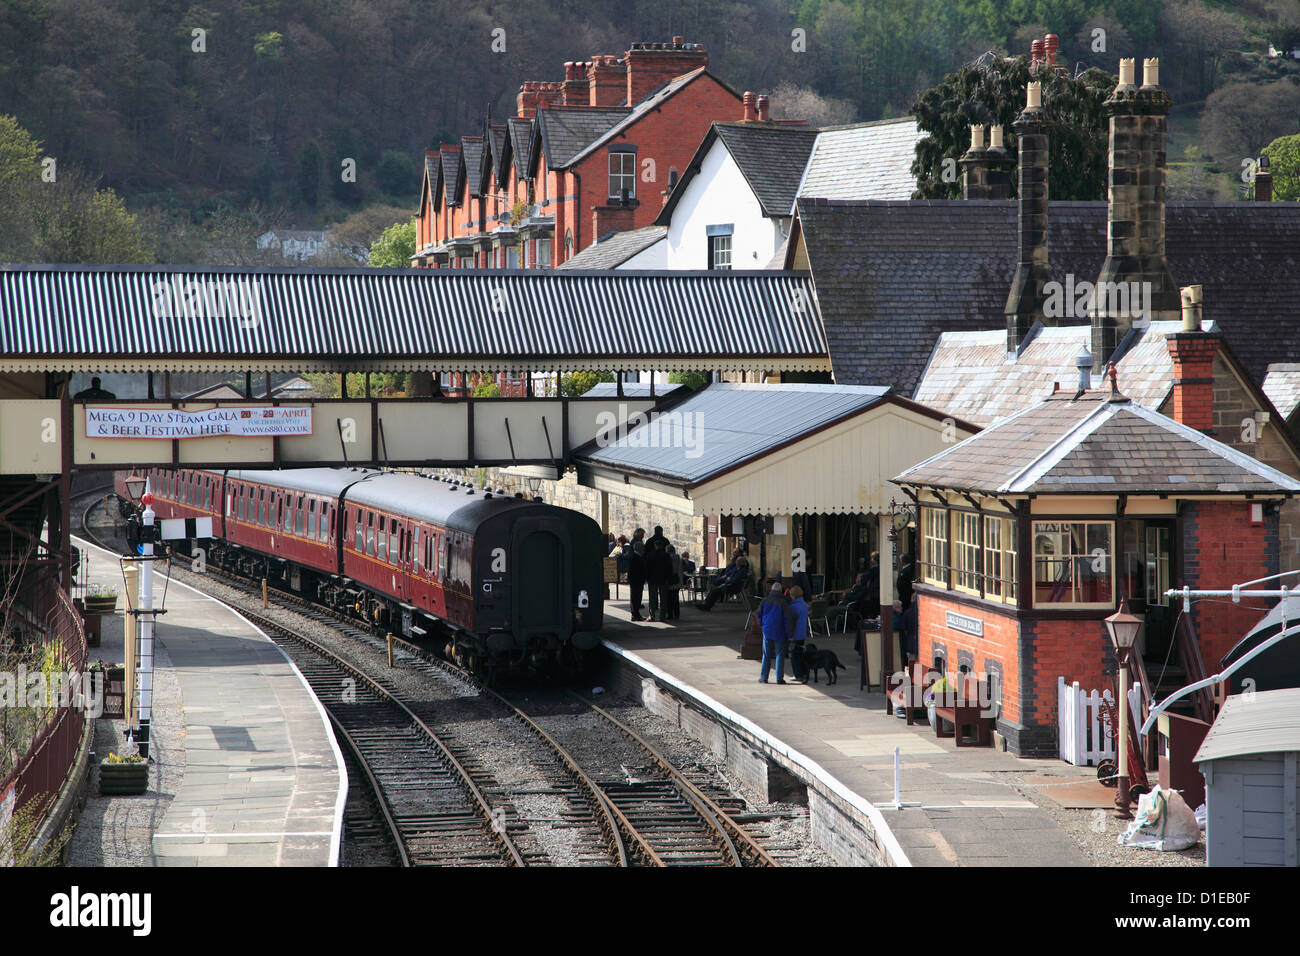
1123	627
144	695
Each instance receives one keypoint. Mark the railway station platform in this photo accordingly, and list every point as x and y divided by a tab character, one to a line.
974	809
245	772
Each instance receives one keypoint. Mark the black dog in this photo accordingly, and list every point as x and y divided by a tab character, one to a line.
815	660
798	661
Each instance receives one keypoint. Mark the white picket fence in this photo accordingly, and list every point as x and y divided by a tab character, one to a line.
1081	729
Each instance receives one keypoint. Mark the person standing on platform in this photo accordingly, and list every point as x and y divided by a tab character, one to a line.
773	617
909	638
672	593
657	540
798	619
658	569
906	577
636	572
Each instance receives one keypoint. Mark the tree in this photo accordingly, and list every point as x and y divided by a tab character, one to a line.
790	101
574	384
393	249
396	173
487	389
309	172
20	154
992	91
1240	119
692	380
1284	163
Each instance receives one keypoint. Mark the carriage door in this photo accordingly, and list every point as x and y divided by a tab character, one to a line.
541	579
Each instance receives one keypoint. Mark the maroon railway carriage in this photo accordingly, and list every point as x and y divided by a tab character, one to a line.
506	581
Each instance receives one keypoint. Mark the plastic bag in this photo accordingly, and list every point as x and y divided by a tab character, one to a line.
1163	822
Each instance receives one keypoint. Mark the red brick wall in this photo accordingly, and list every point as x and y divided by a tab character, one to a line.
1220	549
1078	650
1193	394
1000	643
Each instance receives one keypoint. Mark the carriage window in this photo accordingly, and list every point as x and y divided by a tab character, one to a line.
325	522
370	534
311	519
361	534
442	556
239	503
299	518
394	542
415	545
274	524
381	538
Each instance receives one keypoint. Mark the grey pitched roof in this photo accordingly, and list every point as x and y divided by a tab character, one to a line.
1263	722
1282	386
133	318
864	161
1094	443
433	174
651	103
499	153
970	375
521	144
772	159
892	276
567	131
453	165
617	249
732	424
474	149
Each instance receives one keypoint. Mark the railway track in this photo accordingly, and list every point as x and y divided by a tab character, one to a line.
583	802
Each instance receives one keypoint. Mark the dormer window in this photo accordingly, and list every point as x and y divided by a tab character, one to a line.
622	173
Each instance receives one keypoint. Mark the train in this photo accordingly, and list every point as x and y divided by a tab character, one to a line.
497	582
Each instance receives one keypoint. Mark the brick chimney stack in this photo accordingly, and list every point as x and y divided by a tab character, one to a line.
535	95
576	90
1135	221
1263	181
651	65
607	80
1193	353
751	107
1025	301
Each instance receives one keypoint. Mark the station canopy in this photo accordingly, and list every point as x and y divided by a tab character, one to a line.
170	319
770	449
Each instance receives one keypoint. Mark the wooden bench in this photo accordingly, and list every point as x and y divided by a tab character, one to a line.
908	690
962	708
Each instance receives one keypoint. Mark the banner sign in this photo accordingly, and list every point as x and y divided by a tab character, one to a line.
116	422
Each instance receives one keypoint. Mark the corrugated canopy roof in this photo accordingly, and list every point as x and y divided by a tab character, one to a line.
1095	444
140	318
1265	722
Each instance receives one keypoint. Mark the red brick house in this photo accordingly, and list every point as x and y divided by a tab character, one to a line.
593	154
1032	530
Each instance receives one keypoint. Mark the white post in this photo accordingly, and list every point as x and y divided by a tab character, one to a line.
1121	744
144	688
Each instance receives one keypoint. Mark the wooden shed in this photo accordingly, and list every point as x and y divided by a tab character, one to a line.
1249	761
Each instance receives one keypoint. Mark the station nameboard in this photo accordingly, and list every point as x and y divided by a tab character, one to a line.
115	421
967	625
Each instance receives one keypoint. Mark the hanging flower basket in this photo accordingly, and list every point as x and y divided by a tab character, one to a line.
122	776
101	599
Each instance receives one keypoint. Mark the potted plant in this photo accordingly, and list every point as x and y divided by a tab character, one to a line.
123	775
101	599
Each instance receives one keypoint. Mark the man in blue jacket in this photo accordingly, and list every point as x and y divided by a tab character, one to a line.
774	618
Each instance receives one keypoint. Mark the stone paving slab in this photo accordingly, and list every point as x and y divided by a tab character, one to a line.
968	815
258	779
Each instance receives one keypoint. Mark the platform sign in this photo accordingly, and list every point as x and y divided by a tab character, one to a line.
115	421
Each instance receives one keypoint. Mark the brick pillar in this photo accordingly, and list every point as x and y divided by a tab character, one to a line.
1193	357
1025	301
577	91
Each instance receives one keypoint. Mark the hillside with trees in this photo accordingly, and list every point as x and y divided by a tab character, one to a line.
214	121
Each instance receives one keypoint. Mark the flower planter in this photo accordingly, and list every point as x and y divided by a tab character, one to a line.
123	779
101	605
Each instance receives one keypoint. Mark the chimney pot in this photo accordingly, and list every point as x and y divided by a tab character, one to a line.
1051	43
764	109
1151	72
751	106
1035	51
1126	71
1083	362
1034	96
995	136
977	136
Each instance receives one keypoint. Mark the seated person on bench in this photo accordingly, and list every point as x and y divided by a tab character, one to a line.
729	582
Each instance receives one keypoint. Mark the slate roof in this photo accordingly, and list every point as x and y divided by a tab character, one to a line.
433	174
736	423
453	165
617	249
654	101
499	154
566	132
1282	386
863	161
969	374
521	144
474	149
1094	444
771	158
892	276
